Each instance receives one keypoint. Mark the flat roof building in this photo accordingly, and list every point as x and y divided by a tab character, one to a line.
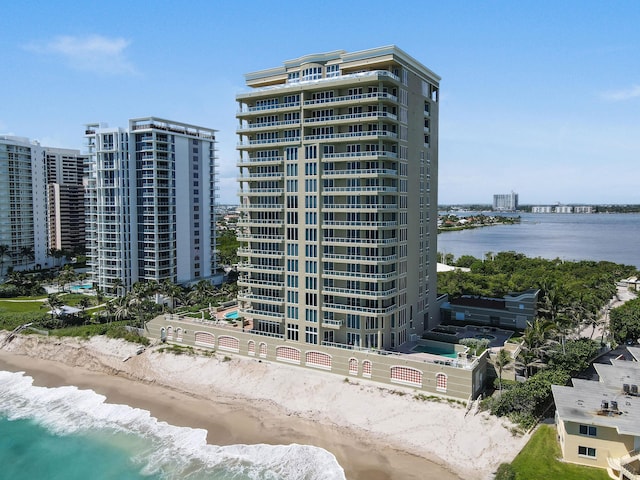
151	194
505	202
338	198
23	203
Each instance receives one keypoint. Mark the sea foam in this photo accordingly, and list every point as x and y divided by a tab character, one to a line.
166	451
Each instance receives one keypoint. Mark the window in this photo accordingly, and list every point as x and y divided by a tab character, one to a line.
587	452
441	382
588	430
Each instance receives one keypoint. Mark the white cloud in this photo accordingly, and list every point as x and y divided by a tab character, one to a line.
621	95
93	53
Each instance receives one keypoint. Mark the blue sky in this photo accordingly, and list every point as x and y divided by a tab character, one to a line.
541	98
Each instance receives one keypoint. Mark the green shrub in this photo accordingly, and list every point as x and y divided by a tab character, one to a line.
505	472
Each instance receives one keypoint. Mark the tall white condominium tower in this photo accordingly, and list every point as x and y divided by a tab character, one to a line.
151	195
338	186
23	204
505	201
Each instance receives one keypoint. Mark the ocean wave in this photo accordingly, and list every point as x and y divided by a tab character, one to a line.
167	451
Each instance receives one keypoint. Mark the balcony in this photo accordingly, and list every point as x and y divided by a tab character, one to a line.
335	324
267	141
252	127
263	314
261	206
248	252
261	191
351	116
360	207
363	189
360	98
253	282
252	267
260	176
349	136
247	111
358	293
353	224
363	276
370	154
259	222
350	308
248	162
361	173
363	259
250	237
262	298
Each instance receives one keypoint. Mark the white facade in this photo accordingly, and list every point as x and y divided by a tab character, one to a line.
151	194
338	178
23	203
505	202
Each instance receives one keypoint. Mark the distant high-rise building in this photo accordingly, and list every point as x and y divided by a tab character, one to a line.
23	203
338	175
151	194
505	202
65	172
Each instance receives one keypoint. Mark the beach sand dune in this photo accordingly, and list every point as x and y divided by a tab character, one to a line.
375	432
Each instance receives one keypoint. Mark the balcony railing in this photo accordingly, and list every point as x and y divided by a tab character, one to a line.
351	135
348	98
258	160
359	172
268	141
257	126
364	206
262	108
376	153
350	116
352	308
379	188
358	292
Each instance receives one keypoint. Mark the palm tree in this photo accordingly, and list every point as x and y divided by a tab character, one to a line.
171	291
201	292
53	303
502	360
4	251
27	252
536	340
122	308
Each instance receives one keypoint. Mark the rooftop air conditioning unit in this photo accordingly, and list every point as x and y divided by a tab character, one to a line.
626	388
634	389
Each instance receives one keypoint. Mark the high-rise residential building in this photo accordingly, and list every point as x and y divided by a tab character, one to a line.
151	194
65	173
23	203
505	202
338	187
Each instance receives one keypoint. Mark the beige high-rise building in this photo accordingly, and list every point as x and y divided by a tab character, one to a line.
338	187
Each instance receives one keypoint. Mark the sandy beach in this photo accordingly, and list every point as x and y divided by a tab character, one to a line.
375	432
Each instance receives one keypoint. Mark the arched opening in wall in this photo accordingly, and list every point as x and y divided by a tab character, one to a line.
230	344
163	334
169	333
318	360
366	368
179	332
263	350
406	376
353	366
205	339
251	348
288	354
441	382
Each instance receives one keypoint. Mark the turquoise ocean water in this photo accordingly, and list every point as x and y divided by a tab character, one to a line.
71	434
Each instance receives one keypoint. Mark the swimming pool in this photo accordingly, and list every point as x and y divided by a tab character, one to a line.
86	286
232	315
443	350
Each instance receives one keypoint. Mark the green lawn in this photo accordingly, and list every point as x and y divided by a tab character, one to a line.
21	307
538	460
